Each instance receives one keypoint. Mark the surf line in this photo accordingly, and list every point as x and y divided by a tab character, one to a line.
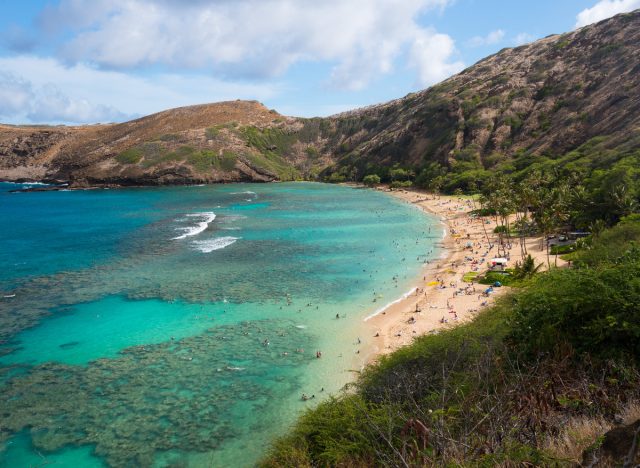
382	309
194	230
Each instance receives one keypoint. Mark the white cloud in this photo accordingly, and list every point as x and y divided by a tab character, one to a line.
248	38
492	38
430	54
15	94
20	97
43	90
49	104
605	9
523	38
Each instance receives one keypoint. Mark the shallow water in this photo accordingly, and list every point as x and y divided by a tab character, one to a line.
180	325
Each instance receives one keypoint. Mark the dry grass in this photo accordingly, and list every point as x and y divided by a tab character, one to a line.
578	434
631	413
581	432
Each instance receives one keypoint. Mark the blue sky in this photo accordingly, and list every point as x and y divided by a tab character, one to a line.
87	61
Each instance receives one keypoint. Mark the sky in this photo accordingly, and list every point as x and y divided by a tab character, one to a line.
90	61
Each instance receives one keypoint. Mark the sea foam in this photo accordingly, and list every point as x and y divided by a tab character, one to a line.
382	309
246	192
207	246
206	217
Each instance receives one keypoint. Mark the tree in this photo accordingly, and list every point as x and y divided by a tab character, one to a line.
371	180
526	269
400	174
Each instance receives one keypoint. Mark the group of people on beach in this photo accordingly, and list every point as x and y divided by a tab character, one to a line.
465	231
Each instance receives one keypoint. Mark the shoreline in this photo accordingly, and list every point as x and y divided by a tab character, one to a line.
438	297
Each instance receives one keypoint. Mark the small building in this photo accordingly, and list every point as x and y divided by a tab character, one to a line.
498	264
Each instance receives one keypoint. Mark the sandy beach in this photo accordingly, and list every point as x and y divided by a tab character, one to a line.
441	298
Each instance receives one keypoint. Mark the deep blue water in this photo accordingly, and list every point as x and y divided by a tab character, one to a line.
179	325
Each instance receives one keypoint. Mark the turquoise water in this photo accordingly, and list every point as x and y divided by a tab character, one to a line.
180	325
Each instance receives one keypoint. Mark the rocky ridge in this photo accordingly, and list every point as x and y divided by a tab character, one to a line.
539	100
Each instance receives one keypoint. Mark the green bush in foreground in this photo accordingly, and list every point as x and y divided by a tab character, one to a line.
595	310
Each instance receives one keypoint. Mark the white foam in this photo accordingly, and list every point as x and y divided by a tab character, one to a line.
206	217
246	192
208	246
382	309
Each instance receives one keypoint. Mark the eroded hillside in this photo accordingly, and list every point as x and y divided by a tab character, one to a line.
521	106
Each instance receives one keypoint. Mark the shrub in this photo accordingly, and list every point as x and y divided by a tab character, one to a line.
228	161
211	133
202	161
336	177
400	174
398	184
595	310
371	180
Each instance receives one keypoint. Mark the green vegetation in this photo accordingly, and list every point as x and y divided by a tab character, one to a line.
562	249
504	389
371	180
269	140
273	164
506	278
130	156
202	161
274	145
470	276
147	154
400	184
152	153
211	133
206	160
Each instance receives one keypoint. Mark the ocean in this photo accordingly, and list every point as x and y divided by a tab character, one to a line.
179	326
